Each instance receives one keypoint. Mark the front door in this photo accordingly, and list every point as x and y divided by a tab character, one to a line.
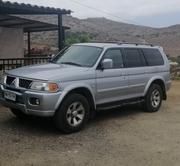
112	84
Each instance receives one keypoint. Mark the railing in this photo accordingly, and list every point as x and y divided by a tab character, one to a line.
8	64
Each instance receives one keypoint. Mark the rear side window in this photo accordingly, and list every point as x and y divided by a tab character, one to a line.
134	58
153	57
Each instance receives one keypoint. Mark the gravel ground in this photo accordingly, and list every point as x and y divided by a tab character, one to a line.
124	136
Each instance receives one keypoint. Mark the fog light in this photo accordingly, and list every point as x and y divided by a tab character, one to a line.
34	101
37	101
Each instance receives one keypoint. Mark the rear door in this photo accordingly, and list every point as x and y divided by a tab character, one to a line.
136	66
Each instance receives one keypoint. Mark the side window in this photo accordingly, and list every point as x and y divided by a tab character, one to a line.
116	56
153	57
133	58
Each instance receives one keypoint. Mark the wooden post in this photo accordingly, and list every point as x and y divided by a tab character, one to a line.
60	32
63	33
29	43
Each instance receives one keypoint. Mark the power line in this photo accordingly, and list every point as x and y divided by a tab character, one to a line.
102	11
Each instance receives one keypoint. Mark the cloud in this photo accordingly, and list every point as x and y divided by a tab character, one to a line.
124	10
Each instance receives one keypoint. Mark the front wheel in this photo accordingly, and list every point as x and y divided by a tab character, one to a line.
72	114
153	98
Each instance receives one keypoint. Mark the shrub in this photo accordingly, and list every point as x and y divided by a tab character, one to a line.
72	38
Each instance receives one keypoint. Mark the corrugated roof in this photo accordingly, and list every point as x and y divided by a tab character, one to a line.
7	7
26	24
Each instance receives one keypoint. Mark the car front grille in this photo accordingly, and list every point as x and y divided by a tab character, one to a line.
9	80
18	82
23	83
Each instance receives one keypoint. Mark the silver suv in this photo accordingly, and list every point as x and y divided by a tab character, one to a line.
88	77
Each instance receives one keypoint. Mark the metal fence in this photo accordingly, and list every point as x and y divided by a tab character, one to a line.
8	64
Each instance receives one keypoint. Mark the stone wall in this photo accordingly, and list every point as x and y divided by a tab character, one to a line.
11	43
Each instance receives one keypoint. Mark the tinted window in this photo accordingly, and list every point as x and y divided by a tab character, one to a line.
116	56
133	58
153	57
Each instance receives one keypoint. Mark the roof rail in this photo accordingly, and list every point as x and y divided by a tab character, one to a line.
97	41
123	42
148	44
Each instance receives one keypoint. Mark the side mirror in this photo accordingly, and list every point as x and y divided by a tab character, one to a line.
107	64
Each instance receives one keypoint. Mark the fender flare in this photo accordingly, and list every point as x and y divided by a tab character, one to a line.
151	81
70	88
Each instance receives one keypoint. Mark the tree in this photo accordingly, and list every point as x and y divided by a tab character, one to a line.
72	38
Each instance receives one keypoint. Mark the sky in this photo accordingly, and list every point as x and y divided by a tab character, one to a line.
154	13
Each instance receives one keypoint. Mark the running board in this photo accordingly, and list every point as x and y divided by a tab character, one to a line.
112	105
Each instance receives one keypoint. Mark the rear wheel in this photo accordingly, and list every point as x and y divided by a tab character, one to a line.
153	98
72	114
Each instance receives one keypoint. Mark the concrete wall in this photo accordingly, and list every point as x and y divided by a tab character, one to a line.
11	43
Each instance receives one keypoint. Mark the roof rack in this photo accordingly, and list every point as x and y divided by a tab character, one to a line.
123	42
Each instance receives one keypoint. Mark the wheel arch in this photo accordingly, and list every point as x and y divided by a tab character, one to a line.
85	91
159	81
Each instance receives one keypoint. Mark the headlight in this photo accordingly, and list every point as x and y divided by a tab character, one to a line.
42	86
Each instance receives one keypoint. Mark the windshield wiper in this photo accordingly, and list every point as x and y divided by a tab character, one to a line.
71	63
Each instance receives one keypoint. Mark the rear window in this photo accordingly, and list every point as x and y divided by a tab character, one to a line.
134	58
153	57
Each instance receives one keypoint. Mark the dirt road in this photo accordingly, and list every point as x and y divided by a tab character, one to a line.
122	137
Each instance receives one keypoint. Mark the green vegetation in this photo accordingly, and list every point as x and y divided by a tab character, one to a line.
175	59
72	38
175	69
177	78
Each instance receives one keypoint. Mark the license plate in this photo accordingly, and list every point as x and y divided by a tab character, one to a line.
10	96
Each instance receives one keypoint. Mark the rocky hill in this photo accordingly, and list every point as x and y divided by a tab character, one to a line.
107	30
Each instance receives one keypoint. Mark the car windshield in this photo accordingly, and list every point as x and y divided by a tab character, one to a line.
85	56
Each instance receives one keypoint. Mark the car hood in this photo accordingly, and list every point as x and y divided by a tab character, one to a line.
48	71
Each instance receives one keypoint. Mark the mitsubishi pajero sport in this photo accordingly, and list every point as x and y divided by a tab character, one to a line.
87	77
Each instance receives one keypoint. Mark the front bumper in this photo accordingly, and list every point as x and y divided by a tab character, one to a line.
47	106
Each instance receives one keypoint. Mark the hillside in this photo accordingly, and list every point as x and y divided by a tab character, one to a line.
107	30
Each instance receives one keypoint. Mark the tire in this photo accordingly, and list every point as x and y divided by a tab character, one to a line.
19	114
153	98
73	114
